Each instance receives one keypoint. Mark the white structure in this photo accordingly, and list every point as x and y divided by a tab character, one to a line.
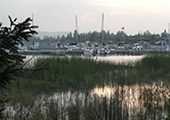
88	48
167	49
137	46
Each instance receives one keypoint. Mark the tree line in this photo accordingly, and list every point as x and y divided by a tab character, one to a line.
96	36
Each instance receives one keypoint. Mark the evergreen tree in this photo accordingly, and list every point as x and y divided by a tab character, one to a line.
11	64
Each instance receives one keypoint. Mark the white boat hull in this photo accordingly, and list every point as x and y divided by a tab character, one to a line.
88	52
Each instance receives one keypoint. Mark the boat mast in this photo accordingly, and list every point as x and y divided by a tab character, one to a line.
77	29
102	29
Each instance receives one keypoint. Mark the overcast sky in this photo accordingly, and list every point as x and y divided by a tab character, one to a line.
59	15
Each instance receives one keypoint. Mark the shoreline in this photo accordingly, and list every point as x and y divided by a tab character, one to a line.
64	52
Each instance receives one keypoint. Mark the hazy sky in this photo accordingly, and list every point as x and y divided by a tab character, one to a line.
59	15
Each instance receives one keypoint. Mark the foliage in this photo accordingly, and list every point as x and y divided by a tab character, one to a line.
95	36
10	38
11	63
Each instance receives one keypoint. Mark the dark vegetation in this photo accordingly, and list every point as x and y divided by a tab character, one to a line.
11	64
95	36
77	72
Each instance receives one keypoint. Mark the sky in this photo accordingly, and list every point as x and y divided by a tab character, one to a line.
59	15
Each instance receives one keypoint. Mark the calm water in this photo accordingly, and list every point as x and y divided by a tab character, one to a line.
113	58
120	58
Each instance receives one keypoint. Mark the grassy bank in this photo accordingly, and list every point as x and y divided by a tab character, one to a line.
77	73
81	73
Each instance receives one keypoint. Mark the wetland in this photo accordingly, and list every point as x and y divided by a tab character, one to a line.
90	88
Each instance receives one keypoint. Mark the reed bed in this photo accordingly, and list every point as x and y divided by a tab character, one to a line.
148	100
153	68
76	72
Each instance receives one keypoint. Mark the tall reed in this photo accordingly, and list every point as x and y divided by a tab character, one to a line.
75	72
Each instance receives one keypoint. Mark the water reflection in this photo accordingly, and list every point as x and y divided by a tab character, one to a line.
117	58
120	58
118	102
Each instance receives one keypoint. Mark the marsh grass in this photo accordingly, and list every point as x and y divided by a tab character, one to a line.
84	74
153	67
75	72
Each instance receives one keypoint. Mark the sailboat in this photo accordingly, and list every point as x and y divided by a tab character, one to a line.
33	47
104	49
74	46
88	48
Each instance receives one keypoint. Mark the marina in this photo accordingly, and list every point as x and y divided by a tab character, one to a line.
79	52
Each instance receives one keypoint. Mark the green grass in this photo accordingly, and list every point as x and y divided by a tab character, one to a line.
75	72
82	73
153	67
85	73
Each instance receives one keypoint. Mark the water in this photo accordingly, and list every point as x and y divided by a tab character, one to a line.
121	103
118	58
